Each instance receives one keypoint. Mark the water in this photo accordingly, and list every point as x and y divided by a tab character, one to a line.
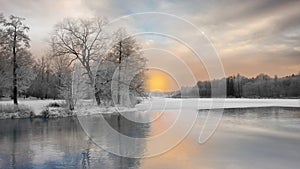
246	138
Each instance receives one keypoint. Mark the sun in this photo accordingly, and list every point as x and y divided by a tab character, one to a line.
160	81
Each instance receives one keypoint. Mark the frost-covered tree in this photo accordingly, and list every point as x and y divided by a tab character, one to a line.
44	85
83	41
14	38
25	72
62	72
5	72
124	65
104	75
80	84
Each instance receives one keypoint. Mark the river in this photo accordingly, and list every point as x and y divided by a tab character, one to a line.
258	138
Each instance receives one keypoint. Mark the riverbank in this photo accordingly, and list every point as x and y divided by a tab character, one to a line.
49	109
34	109
57	109
214	103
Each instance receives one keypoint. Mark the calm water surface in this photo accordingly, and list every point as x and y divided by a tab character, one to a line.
246	138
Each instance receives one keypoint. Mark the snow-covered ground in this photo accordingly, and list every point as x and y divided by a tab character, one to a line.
208	103
36	105
92	110
166	104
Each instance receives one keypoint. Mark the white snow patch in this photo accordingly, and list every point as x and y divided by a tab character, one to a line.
92	110
208	103
165	104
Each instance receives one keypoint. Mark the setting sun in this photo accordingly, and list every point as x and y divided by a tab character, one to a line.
160	81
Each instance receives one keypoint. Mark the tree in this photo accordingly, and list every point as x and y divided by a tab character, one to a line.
230	86
103	80
129	62
2	20
14	38
238	85
5	72
83	41
2	30
63	72
24	71
259	86
44	83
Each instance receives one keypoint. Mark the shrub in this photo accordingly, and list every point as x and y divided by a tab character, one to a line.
55	110
53	104
57	104
15	111
45	113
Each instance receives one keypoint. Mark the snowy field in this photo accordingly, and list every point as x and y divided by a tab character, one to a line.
169	104
208	103
37	105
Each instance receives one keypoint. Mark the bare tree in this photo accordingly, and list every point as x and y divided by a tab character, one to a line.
14	38
83	41
128	59
25	72
80	85
44	72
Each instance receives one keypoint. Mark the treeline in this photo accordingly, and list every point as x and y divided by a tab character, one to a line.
264	86
40	78
21	74
261	86
82	61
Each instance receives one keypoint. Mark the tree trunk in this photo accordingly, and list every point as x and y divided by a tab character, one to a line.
119	77
15	87
97	94
70	97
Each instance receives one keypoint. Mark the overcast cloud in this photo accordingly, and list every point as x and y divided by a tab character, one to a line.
250	36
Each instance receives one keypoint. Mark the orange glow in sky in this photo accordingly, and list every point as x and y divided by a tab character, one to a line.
158	80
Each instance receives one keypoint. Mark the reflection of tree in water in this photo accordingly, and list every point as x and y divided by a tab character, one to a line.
13	157
24	142
62	143
14	142
93	158
86	156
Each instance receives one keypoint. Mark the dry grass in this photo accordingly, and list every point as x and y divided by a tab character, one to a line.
11	108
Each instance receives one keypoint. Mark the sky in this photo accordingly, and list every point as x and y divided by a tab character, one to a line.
248	37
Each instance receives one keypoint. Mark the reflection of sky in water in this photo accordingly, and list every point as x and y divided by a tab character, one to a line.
273	119
246	138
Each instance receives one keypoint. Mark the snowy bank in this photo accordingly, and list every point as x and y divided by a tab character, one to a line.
93	110
15	111
36	105
209	103
32	109
54	109
39	108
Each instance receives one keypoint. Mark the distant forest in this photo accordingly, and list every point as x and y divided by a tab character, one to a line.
261	86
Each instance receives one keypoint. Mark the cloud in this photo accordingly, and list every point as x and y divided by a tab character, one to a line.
245	33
